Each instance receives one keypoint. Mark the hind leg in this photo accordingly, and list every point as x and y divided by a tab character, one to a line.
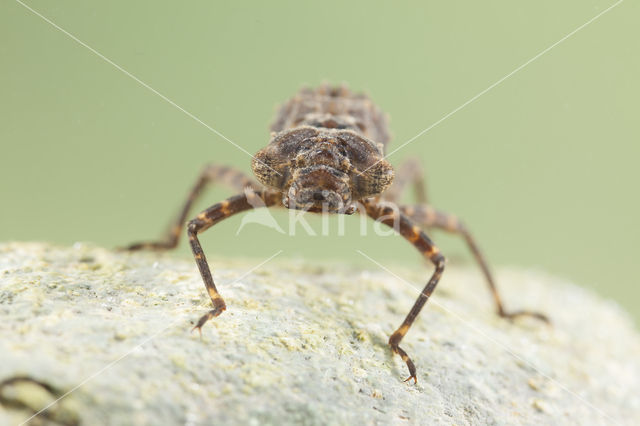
227	176
409	173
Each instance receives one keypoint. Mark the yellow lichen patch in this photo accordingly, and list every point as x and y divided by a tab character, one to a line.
535	383
310	338
291	343
360	335
251	304
258	375
358	372
178	361
119	336
540	405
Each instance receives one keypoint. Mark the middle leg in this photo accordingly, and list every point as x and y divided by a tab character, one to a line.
212	173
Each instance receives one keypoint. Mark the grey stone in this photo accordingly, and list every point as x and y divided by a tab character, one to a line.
301	342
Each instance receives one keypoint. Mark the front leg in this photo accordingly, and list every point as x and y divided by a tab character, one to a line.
390	216
207	219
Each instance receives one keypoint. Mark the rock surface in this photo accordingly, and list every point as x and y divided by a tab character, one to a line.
300	343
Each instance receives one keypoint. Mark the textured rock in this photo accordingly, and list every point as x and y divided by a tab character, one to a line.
300	342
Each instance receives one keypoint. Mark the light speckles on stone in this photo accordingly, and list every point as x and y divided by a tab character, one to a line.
302	342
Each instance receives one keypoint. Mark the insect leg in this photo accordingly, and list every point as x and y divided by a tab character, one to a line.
230	177
207	219
427	216
405	227
409	172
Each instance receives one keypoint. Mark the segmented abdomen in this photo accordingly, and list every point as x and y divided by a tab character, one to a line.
333	107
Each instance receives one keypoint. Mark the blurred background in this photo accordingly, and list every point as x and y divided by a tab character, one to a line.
543	167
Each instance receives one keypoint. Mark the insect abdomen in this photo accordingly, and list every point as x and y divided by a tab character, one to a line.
333	107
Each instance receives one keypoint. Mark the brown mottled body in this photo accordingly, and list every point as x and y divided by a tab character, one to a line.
326	155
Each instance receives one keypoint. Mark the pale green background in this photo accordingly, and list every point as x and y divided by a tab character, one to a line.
544	167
